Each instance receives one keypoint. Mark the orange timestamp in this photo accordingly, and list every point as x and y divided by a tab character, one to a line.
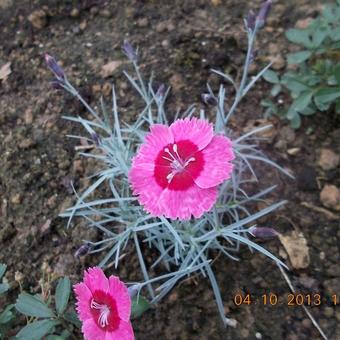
291	300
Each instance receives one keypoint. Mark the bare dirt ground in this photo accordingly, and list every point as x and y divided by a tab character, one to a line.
180	41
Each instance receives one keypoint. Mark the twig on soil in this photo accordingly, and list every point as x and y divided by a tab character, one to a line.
303	306
83	147
328	213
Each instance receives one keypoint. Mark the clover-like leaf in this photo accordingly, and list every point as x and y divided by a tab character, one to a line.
302	101
271	77
275	90
295	122
298	36
298	57
319	35
327	95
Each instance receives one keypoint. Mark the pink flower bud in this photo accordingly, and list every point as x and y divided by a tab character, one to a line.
263	13
264	232
54	67
251	20
129	51
83	250
208	99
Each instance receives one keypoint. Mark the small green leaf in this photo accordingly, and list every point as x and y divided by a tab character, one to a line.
66	334
275	90
302	101
291	113
266	103
328	13
139	306
33	306
298	36
298	57
308	111
293	83
295	122
72	317
2	270
7	315
271	107
62	294
327	95
4	287
36	330
318	36
271	77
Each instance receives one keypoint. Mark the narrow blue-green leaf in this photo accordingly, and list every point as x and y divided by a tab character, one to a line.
139	306
255	246
62	294
2	269
36	330
32	306
298	57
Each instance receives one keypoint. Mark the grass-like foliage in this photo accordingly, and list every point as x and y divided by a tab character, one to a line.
183	247
314	84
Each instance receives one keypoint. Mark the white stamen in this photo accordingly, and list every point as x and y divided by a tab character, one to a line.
177	163
104	310
170	177
168	159
192	159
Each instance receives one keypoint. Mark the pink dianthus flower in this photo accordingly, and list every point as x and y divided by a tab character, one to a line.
178	168
104	307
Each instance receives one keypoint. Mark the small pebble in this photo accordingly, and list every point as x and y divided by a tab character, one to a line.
330	196
328	160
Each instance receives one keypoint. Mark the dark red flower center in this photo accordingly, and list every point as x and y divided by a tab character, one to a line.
178	165
104	311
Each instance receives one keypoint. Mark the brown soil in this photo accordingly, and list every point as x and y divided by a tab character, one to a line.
180	41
